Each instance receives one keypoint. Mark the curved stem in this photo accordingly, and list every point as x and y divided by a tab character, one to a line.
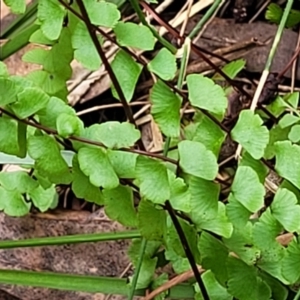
108	67
187	251
87	141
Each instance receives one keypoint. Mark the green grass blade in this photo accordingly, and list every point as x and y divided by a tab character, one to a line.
83	283
70	239
297	296
278	34
20	22
18	42
138	269
27	160
135	5
204	19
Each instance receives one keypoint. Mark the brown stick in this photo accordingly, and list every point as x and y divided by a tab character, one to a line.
173	282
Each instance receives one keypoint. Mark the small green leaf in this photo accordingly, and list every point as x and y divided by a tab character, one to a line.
241	243
114	134
270	261
51	15
163	64
82	187
214	255
43	199
277	107
155	187
260	169
134	250
9	136
294	134
48	160
119	205
250	134
102	13
292	99
146	272
36	56
204	199
285	184
127	72
8	91
43	181
291	262
241	277
266	230
21	83
60	56
288	161
231	69
204	93
149	261
196	160
288	120
13	203
16	6
52	111
68	125
279	291
174	241
166	109
39	38
208	133
3	70
215	290
95	164
276	134
274	14
30	101
219	225
180	198
50	83
151	221
133	35
286	210
179	264
18	180
238	214
247	189
84	48
123	163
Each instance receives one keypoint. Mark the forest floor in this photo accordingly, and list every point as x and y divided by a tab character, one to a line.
73	216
